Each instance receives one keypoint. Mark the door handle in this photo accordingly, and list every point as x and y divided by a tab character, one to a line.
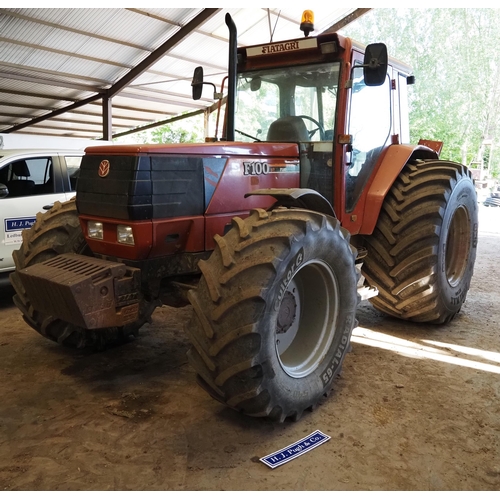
48	207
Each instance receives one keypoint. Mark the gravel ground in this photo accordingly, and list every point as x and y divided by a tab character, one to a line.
416	408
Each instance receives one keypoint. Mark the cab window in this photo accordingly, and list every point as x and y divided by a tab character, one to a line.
295	104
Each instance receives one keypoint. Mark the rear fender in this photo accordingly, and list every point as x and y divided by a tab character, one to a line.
394	160
297	198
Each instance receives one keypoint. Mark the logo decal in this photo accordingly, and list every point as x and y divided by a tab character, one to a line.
14	229
273	48
263	168
295	450
19	223
104	168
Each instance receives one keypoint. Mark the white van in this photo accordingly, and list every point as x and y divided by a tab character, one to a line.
31	180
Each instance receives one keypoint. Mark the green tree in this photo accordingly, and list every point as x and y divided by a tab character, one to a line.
454	56
188	130
183	130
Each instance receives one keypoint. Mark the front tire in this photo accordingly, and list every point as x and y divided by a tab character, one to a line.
421	254
273	312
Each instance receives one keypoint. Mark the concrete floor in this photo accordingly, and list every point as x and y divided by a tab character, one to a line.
416	408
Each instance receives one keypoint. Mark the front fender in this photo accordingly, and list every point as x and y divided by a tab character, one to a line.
299	198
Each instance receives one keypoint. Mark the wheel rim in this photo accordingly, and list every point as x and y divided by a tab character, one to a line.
457	246
306	319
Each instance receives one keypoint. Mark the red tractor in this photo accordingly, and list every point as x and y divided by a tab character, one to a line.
265	231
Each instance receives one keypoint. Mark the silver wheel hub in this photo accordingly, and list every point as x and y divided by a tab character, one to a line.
306	319
287	312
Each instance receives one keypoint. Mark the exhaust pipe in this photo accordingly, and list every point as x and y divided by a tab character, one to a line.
232	66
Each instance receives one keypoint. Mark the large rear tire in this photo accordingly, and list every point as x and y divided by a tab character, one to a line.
274	312
55	232
421	254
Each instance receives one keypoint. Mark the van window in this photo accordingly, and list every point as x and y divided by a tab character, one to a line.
28	177
73	168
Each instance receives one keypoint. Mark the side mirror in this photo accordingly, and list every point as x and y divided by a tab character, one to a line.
375	64
197	83
4	191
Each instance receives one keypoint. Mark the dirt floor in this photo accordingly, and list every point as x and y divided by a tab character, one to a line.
416	408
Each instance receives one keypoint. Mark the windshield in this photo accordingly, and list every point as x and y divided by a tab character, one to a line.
267	100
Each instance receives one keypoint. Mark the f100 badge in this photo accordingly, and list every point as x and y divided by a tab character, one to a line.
263	168
256	168
104	168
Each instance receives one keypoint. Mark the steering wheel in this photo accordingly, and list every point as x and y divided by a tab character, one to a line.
319	127
248	135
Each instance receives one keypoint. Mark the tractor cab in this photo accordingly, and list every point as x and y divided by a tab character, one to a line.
293	104
340	102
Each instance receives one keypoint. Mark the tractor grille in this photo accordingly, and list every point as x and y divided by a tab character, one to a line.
141	187
69	266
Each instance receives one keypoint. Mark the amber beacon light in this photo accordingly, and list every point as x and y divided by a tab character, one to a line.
307	22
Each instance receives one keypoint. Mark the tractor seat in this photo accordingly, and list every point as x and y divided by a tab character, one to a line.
293	129
288	129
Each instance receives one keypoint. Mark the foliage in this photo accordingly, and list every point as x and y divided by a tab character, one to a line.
187	130
456	62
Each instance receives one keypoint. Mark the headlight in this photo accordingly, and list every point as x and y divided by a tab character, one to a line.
125	235
94	230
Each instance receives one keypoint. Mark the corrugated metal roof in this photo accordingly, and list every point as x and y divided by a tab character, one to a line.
143	58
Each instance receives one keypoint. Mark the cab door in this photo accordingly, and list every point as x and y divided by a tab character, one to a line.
369	125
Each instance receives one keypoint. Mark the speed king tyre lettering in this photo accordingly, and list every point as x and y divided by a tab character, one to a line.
289	272
330	371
